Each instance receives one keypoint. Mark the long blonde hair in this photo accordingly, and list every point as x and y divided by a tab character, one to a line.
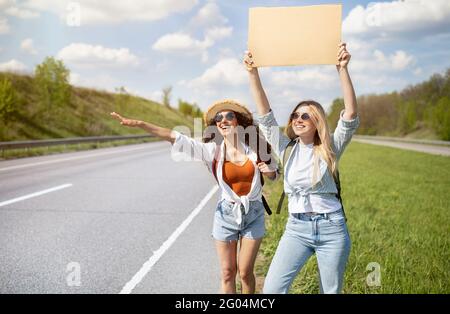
322	139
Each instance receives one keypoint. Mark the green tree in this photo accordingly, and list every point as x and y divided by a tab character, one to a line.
51	79
167	94
189	109
335	111
196	111
184	107
407	116
8	100
440	118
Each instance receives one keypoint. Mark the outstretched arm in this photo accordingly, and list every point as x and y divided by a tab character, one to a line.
262	104
346	83
155	130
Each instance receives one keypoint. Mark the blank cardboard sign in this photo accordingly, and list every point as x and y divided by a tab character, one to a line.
295	35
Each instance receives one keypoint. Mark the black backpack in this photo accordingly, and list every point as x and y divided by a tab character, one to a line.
337	181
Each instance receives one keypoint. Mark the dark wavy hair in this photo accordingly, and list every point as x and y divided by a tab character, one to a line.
212	131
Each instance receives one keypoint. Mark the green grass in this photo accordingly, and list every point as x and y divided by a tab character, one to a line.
397	204
87	114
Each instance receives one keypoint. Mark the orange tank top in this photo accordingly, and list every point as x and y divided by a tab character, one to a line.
239	178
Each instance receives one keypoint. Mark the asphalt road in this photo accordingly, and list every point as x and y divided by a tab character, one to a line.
126	219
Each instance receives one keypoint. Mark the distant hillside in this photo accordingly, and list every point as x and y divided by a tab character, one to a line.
418	111
85	114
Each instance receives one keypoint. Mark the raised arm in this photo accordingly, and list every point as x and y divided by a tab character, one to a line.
349	120
155	130
262	104
267	123
346	83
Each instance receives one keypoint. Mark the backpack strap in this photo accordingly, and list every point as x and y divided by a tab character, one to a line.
337	181
264	201
286	154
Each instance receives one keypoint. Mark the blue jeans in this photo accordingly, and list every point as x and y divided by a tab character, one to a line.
323	234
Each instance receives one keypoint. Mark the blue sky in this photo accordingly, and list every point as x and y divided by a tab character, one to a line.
196	46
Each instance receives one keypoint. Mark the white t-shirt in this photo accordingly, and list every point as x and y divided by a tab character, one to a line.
301	176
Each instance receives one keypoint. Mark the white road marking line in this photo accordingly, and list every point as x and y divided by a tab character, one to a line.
18	199
72	158
166	245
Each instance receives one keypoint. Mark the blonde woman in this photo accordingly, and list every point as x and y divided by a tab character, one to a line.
316	223
232	151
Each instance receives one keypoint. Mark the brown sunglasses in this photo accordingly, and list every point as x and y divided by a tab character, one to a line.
295	115
229	116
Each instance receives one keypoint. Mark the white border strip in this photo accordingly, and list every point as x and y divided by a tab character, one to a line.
18	199
166	245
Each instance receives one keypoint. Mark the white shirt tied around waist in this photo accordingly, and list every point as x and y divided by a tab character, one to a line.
298	181
196	150
303	195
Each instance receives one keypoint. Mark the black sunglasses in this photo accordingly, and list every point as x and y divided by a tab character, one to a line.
296	115
229	116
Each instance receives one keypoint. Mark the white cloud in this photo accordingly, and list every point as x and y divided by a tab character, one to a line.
184	44
394	62
217	33
208	18
100	81
4	26
21	13
114	12
209	15
400	60
179	42
11	7
5	4
374	71
89	55
13	66
28	46
226	72
399	18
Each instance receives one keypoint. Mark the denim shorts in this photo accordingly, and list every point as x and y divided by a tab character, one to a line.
226	228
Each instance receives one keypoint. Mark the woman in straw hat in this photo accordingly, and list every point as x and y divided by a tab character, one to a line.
316	222
232	151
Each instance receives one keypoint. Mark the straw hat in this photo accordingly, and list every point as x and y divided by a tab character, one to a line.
226	104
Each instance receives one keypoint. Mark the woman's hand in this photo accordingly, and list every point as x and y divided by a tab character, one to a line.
155	130
266	170
126	122
248	62
343	56
263	167
259	96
